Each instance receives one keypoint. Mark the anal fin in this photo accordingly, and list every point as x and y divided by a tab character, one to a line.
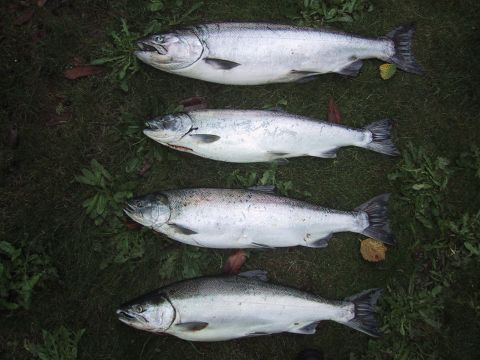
308	329
352	69
327	154
305	76
320	243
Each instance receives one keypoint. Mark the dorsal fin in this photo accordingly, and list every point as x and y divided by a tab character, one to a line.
263	188
255	274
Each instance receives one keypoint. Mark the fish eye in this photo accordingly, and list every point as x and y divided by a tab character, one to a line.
158	38
138	308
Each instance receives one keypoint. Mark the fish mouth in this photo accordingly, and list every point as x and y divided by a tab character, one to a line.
125	317
151	125
146	47
131	210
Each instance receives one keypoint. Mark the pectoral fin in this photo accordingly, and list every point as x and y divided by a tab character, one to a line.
192	325
181	229
221	64
204	138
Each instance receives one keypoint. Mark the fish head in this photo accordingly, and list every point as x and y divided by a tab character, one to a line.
152	210
170	51
151	312
168	128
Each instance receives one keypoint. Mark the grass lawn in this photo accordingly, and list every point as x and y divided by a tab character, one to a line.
41	203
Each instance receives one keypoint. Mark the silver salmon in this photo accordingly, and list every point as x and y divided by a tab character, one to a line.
254	218
244	136
230	307
262	53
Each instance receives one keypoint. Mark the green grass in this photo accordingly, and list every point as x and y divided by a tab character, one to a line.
41	201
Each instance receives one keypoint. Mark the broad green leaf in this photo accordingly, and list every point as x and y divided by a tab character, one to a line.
93	204
472	249
105	60
421	186
101	204
8	249
97	167
155	5
124	85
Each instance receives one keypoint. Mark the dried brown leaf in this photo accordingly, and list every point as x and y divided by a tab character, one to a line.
145	168
56	120
373	250
333	114
39	35
82	71
194	103
235	262
24	17
13	137
132	225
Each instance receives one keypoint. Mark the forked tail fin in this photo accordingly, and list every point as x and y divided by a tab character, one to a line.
377	211
382	137
403	57
364	319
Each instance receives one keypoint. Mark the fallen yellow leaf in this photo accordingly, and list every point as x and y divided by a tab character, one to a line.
372	250
387	71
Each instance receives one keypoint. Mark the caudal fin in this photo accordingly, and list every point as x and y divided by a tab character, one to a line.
364	319
403	57
377	211
382	137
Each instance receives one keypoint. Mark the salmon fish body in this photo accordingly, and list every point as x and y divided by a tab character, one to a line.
262	53
255	218
244	136
228	307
